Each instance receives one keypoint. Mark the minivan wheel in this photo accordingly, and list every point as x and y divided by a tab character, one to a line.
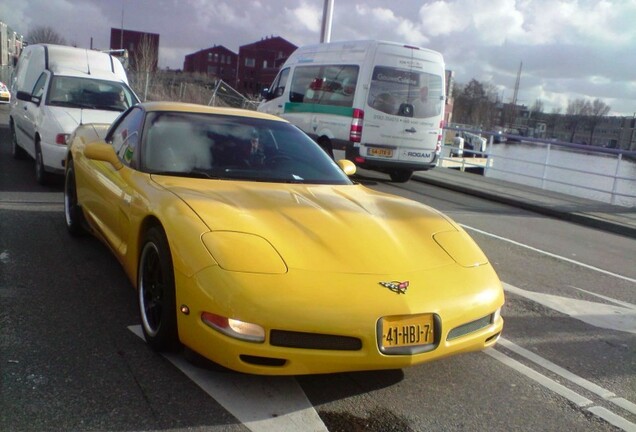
401	175
16	151
41	176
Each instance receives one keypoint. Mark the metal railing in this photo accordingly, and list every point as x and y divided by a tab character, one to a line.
554	165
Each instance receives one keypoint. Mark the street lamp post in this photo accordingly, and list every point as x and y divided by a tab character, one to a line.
327	17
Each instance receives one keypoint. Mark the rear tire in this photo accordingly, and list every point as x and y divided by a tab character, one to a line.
156	289
401	175
72	211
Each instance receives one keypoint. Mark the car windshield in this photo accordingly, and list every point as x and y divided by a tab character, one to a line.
76	92
234	148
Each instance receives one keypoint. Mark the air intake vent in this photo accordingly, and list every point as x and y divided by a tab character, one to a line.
469	327
291	339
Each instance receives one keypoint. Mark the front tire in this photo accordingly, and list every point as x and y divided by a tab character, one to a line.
16	151
41	176
72	210
157	302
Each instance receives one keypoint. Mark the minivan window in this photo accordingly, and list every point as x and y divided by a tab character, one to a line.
325	85
405	92
76	92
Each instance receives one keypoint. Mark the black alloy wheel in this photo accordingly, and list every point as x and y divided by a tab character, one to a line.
157	303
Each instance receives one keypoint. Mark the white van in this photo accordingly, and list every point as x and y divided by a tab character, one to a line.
55	89
379	102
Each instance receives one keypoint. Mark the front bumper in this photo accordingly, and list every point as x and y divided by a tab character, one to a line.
311	306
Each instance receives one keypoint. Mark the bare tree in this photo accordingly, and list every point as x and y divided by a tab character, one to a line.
45	34
576	112
474	103
598	110
537	107
144	62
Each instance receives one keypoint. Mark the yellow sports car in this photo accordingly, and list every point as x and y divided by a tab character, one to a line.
247	244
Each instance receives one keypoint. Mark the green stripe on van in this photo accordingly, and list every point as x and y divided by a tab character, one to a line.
297	107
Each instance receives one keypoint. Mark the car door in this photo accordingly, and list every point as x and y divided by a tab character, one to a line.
275	102
111	194
29	115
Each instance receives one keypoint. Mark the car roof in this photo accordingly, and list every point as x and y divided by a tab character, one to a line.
203	109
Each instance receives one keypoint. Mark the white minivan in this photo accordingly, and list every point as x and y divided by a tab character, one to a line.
379	102
55	89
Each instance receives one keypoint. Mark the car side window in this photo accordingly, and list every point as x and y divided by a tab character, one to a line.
125	137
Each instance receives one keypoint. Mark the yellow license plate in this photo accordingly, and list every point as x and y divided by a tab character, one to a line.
407	330
381	152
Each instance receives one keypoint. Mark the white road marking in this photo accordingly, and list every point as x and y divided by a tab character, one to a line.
262	404
32	201
581	382
618	302
550	254
597	314
546	382
563	391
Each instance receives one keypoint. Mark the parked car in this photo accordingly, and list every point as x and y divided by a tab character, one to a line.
5	95
249	245
55	89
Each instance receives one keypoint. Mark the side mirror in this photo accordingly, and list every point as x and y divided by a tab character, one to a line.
101	151
347	166
265	93
23	96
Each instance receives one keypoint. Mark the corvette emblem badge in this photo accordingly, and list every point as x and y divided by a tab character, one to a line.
396	286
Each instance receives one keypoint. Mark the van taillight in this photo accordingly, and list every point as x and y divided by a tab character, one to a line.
355	133
438	146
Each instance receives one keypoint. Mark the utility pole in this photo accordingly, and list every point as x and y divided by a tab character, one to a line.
327	17
121	32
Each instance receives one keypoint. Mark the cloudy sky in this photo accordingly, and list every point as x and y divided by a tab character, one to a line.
569	48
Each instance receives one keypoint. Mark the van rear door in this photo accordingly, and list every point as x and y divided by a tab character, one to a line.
403	108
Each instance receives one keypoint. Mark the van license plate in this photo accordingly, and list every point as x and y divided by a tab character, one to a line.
407	330
381	152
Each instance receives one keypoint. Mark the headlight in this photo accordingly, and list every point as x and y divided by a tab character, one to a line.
234	328
496	316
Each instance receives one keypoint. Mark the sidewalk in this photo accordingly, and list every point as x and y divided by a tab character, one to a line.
617	219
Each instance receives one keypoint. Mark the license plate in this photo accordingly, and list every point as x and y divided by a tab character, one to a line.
407	330
380	152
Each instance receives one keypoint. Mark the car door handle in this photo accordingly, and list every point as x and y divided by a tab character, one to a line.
411	130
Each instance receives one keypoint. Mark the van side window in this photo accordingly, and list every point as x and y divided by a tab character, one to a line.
324	85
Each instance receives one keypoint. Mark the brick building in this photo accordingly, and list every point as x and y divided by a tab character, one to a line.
142	47
216	61
259	63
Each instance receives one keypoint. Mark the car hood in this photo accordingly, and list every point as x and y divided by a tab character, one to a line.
349	229
69	118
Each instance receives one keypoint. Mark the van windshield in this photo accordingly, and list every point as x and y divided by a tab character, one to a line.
76	92
405	93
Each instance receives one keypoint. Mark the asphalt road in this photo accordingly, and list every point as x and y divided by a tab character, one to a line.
70	360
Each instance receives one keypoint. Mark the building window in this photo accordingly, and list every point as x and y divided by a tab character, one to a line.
209	56
216	57
264	64
250	62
